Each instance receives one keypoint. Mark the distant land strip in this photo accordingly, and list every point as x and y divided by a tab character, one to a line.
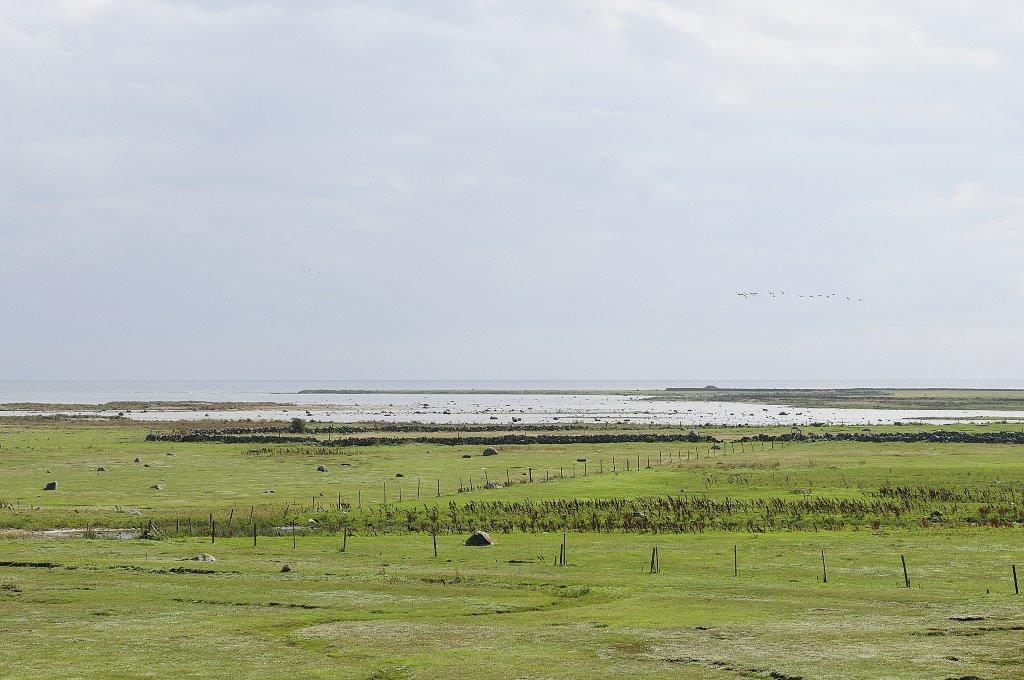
864	398
854	397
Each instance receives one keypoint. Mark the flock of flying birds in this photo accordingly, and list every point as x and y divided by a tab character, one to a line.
809	296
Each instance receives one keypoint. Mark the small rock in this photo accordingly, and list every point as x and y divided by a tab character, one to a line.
321	468
285	569
479	538
138	460
467	455
158	487
490	451
399	474
203	557
50	486
101	469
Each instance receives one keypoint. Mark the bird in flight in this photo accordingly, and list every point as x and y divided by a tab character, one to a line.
810	296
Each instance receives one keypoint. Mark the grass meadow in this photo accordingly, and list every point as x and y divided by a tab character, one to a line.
774	562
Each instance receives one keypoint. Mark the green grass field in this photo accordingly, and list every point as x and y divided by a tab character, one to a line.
386	607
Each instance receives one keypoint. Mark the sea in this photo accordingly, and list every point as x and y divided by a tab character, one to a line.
478	401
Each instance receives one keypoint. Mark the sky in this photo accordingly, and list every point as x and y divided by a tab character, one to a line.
538	189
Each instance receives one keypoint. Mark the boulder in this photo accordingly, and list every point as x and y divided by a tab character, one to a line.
479	538
399	474
285	569
321	468
50	486
203	557
490	451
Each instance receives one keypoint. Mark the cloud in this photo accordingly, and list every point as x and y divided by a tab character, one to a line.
557	174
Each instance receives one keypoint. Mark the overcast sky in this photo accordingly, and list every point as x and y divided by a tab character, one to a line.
530	189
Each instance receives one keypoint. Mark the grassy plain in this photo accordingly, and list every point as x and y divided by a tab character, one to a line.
196	479
387	608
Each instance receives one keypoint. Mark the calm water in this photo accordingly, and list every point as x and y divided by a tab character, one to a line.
468	408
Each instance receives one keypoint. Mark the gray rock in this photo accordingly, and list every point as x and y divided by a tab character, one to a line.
479	538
